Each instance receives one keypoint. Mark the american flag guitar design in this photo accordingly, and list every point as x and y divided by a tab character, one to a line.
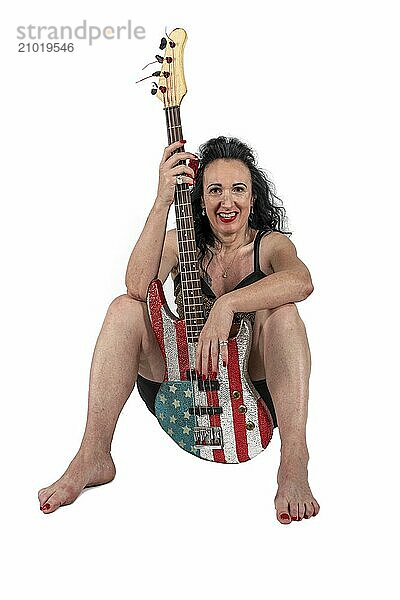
224	419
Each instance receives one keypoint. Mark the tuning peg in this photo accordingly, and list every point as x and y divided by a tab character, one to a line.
155	74
162	89
163	43
159	59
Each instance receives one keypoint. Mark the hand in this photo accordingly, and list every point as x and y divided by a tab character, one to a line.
216	329
169	169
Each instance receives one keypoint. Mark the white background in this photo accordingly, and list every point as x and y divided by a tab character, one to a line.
313	87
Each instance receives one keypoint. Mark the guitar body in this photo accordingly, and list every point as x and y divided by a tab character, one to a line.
223	420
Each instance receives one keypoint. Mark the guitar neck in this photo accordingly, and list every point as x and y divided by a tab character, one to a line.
188	266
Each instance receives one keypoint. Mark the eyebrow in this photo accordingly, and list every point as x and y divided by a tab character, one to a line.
220	184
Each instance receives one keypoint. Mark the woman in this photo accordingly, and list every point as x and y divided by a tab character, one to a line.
249	267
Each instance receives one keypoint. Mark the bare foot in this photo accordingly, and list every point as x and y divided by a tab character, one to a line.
294	499
85	470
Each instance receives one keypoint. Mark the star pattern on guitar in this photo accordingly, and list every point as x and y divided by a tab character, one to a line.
175	419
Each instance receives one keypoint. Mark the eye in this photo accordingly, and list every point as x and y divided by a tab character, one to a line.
214	190
239	189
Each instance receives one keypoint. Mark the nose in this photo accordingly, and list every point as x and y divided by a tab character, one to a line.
226	200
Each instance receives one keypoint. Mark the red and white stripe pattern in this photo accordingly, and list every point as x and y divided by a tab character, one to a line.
240	443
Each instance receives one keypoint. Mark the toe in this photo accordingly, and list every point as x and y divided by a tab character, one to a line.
283	517
51	504
282	511
309	510
44	495
302	510
316	507
294	511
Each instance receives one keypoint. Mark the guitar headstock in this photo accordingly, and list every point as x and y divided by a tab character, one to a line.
171	79
171	82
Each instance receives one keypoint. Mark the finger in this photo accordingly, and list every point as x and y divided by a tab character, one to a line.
214	356
179	157
198	358
171	148
224	354
205	355
181	169
185	179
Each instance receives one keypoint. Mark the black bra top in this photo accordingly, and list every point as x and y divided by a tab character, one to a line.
251	278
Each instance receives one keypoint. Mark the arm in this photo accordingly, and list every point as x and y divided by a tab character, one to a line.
290	281
155	253
144	262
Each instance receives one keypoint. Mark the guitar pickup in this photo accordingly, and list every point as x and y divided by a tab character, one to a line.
208	385
208	437
205	410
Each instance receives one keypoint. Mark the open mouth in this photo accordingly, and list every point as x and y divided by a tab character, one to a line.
227	217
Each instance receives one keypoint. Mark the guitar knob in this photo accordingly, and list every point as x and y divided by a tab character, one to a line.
250	425
242	408
235	394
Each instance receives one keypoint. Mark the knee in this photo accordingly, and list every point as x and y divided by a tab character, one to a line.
284	317
124	304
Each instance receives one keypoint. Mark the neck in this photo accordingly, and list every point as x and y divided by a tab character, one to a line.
229	242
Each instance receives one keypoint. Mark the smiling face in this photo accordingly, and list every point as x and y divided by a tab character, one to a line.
227	190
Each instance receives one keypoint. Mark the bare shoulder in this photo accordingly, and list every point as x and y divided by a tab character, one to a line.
269	244
278	253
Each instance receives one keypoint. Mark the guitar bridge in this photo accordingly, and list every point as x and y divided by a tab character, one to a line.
205	410
210	437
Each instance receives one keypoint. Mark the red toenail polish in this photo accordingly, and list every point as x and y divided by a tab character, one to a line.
284	516
46	507
294	518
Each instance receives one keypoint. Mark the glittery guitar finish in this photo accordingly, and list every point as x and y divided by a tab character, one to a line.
224	419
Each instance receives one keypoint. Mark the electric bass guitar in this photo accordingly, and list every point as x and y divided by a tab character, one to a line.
225	419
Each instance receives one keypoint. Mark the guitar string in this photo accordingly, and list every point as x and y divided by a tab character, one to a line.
172	135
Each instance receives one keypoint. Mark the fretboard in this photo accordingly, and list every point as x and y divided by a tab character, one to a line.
190	275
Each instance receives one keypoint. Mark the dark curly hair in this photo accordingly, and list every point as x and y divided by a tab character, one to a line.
266	215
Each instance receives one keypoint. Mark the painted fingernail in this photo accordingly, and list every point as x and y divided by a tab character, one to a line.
214	375
224	363
204	377
294	518
45	507
284	516
182	141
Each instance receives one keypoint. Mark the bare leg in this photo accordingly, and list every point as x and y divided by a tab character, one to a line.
113	375
287	362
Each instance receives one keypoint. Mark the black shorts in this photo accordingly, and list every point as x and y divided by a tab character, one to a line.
148	391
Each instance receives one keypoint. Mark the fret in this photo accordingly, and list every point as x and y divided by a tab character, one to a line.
186	228
187	266
185	292
191	285
197	320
